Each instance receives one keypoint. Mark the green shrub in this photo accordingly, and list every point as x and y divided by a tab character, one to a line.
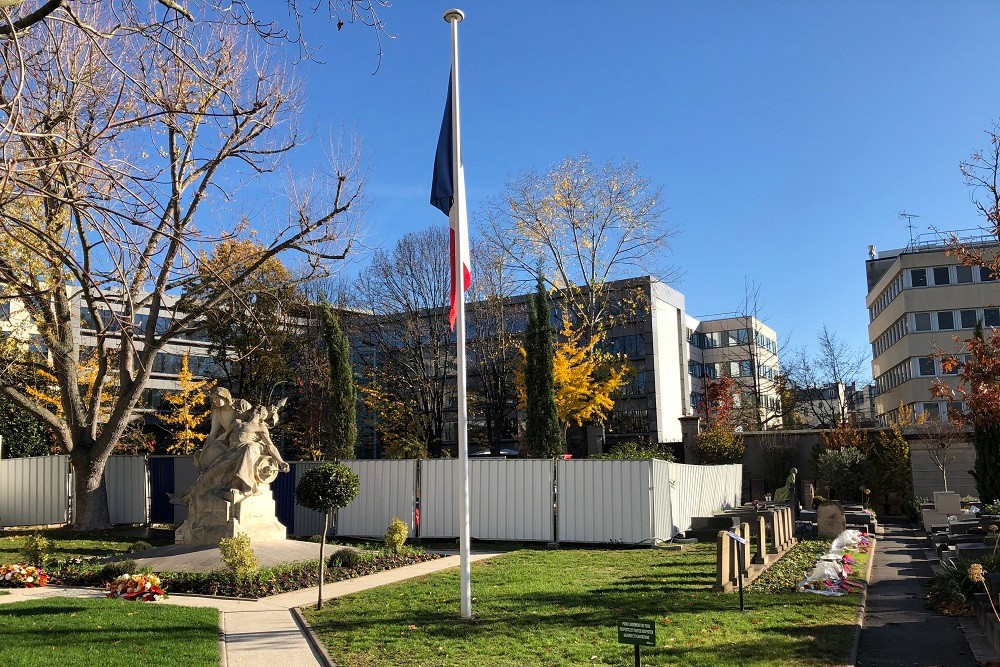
139	546
238	555
992	508
346	557
327	486
36	550
395	535
719	445
112	571
842	469
636	451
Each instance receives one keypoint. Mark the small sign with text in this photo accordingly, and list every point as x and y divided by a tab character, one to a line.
640	633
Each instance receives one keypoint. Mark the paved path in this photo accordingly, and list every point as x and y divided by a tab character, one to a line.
900	630
265	632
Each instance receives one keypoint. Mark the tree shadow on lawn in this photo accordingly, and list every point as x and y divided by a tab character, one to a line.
562	611
15	611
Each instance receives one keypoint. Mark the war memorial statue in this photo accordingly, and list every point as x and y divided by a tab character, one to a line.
236	466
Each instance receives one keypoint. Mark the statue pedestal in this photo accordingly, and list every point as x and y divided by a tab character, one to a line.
210	519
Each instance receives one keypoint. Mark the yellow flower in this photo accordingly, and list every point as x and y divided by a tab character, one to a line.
976	573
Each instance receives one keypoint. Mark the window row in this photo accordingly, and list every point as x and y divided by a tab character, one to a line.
731	338
894	377
112	322
885	298
628	421
949	320
950	275
733	369
931	366
630	346
889	337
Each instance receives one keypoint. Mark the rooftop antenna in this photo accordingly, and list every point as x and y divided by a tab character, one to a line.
903	215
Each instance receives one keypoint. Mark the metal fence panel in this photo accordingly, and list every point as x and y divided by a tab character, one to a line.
34	491
128	489
511	499
440	481
701	491
604	501
663	524
388	489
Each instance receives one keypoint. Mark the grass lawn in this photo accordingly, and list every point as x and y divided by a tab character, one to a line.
562	608
66	543
71	632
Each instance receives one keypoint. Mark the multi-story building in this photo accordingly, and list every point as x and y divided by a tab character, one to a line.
919	299
743	348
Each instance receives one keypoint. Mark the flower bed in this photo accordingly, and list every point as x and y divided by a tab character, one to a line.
264	582
18	575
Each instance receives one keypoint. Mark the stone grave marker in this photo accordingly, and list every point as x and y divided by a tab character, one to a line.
830	520
947	502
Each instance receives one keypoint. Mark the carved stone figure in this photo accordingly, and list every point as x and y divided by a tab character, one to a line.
236	466
785	492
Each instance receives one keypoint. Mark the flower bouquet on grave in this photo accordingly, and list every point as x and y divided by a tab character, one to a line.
18	575
140	587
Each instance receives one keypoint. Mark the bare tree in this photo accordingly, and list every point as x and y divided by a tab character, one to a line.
494	344
823	378
586	225
407	339
112	148
940	440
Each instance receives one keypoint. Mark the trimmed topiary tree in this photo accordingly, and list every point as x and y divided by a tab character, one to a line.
324	488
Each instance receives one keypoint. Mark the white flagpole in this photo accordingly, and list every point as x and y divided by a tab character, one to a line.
454	17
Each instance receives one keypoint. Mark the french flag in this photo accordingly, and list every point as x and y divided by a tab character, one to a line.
448	195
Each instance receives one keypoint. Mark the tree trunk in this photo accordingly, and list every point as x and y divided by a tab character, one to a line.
322	544
944	477
90	491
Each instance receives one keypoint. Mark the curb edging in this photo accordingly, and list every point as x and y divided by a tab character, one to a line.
859	613
319	651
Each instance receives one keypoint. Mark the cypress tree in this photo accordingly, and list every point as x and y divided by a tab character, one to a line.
542	433
343	409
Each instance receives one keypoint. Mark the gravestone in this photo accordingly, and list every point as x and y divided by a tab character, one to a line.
830	520
947	502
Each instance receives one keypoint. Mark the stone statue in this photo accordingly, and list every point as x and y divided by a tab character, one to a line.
236	466
785	492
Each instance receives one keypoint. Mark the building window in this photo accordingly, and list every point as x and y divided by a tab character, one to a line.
941	276
746	370
968	318
986	275
991	317
921	321
932	410
918	277
945	320
925	366
963	274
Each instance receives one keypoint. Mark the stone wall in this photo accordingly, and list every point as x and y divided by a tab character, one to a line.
927	477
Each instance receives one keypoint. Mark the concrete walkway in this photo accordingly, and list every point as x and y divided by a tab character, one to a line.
899	629
264	632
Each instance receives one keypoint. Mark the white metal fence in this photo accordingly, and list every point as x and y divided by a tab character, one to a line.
509	500
624	502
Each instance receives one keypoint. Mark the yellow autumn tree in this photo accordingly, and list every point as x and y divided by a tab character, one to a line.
585	377
190	408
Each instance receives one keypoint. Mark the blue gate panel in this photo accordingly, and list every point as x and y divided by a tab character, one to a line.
284	499
161	482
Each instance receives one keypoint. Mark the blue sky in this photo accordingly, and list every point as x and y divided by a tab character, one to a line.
786	136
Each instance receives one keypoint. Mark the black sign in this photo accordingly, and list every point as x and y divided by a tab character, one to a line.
640	633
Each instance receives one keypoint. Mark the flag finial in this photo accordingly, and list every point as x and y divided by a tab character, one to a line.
455	15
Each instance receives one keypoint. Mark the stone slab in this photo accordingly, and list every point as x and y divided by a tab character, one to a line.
830	521
947	502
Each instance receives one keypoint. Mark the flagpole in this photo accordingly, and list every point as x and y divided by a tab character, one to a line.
454	17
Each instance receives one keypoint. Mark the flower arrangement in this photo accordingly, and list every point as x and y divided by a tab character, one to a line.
18	575
141	587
